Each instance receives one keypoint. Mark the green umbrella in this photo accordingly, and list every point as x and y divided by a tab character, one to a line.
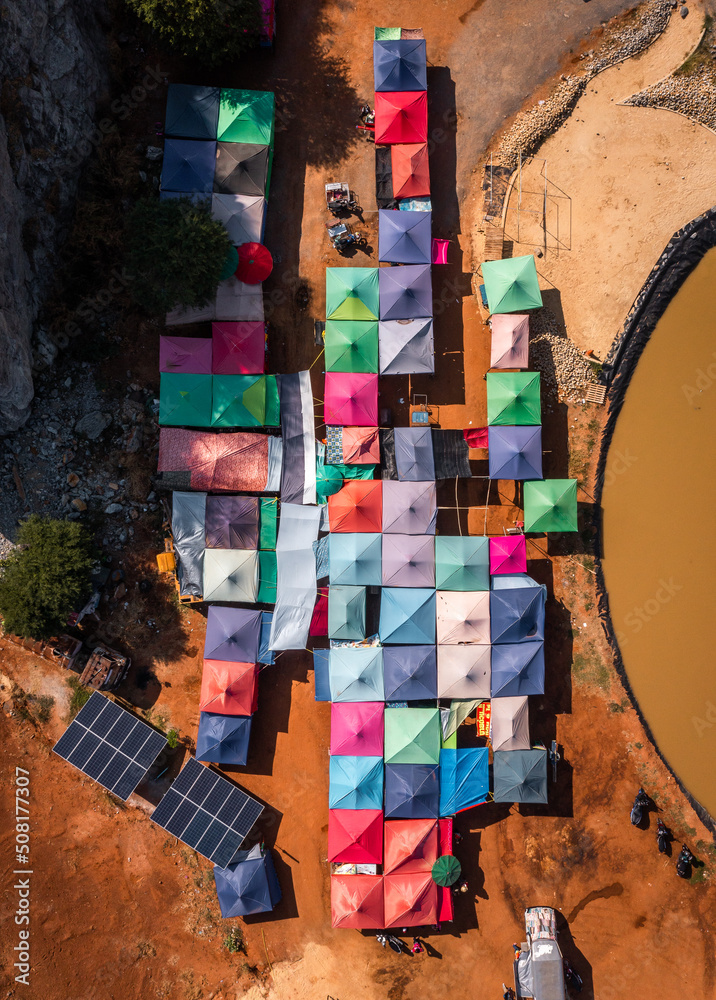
246	116
511	285
352	293
446	870
351	346
230	264
551	505
513	398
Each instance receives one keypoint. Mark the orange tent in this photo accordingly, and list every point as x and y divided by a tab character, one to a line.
409	164
229	688
357	901
410	900
357	507
411	845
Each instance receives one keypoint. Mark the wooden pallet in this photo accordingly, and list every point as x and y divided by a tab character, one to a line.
596	394
494	243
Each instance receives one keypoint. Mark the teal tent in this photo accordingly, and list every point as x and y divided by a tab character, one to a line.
551	505
346	612
511	285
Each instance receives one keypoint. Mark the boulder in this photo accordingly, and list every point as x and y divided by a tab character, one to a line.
92	425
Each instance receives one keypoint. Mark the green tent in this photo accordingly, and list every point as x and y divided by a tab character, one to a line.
385	34
352	293
246	116
356	471
185	400
351	346
511	284
513	398
329	478
551	505
462	562
267	578
273	406
268	515
346	612
412	736
446	870
245	401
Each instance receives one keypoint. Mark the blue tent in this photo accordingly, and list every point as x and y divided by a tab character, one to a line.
321	676
355	783
266	655
404	237
517	669
407	616
233	634
515	452
355	559
192	112
249	885
520	776
400	64
355	673
188	165
464	779
512	581
414	454
410	673
517	615
412	791
223	739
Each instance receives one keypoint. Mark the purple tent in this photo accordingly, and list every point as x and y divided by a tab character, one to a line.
232	634
190	355
517	615
404	237
405	292
515	452
232	522
517	669
414	454
409	508
408	561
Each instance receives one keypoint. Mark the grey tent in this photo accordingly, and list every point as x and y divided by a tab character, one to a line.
400	64
414	454
242	215
409	673
232	522
241	168
509	723
192	112
406	346
231	575
520	776
248	886
404	237
188	526
517	615
409	508
405	292
517	668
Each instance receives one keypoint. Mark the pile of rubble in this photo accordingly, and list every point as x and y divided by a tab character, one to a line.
564	370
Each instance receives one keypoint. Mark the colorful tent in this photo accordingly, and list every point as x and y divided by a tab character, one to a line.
232	522
461	562
233	634
400	65
513	398
355	783
405	292
508	554
551	505
185	355
464	779
410	900
242	168
409	673
356	673
185	400
223	739
249	886
355	836
238	348
401	116
410	170
357	901
351	398
464	671
358	507
192	112
408	561
229	688
352	293
409	508
412	791
404	237
231	575
237	301
208	461
361	445
242	215
351	346
414	454
407	616
346	613
188	532
354	559
268	574
515	452
357	729
406	347
517	615
510	341
411	845
245	401
246	116
517	669
188	165
255	263
511	284
463	617
520	776
412	735
510	724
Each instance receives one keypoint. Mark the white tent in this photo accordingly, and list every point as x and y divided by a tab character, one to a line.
231	575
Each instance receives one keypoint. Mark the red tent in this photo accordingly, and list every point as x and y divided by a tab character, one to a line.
409	164
319	621
357	901
239	348
355	836
410	900
411	845
229	688
401	116
358	506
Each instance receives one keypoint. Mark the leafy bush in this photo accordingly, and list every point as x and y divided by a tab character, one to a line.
234	941
213	31
173	738
80	696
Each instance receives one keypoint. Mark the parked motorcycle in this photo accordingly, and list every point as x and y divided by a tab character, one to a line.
640	803
572	978
684	862
663	836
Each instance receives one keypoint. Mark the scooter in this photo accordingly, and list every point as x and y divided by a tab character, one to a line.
663	836
573	978
641	800
684	862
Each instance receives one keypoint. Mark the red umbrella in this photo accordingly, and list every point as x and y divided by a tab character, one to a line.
255	263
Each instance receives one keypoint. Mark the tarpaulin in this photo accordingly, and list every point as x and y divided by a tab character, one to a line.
319	618
383	177
451	454
464	779
298	476
476	437
389	467
235	461
238	348
188	525
296	583
238	301
185	400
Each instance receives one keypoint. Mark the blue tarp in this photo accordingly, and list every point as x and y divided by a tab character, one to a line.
188	166
407	616
223	739
517	615
410	673
517	669
355	559
321	676
266	655
249	886
515	452
356	673
355	783
464	779
400	64
520	776
412	791
512	581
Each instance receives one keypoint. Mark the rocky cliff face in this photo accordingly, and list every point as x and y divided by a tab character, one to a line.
53	68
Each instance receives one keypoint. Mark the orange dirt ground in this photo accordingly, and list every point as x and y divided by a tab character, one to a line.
120	910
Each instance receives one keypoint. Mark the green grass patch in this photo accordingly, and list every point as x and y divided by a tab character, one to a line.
701	58
80	696
589	668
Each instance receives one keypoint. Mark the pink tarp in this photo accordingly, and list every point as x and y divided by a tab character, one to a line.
357	729
351	399
236	462
476	437
510	341
239	348
508	554
319	620
191	355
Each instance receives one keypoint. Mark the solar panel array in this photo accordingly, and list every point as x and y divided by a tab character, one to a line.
207	812
110	745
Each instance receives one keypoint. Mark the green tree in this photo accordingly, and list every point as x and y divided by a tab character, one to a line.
46	577
213	31
175	252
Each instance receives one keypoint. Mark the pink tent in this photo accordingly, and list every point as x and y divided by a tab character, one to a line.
239	348
357	901
191	355
510	341
508	554
357	729
361	446
351	399
355	836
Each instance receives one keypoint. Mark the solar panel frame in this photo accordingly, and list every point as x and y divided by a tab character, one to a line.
110	745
